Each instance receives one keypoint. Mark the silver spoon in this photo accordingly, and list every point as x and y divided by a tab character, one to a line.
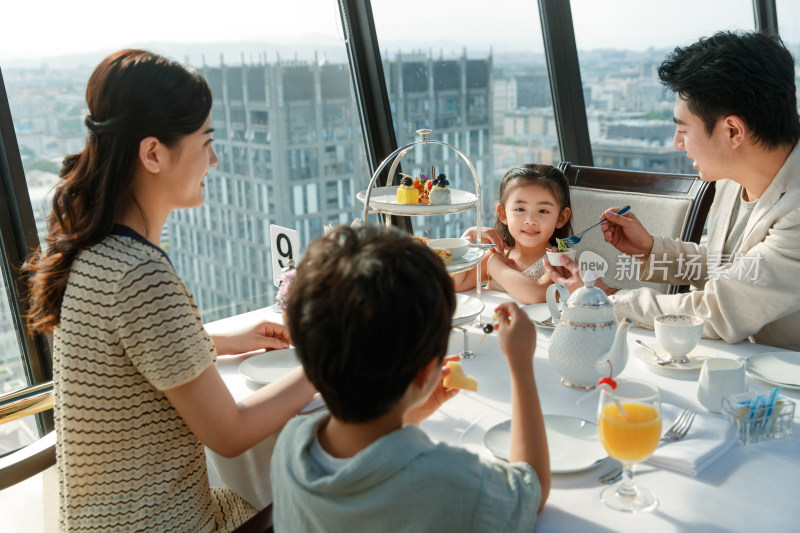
660	360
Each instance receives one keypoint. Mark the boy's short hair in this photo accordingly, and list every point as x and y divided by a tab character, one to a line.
368	308
751	75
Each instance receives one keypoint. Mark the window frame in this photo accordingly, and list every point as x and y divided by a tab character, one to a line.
19	239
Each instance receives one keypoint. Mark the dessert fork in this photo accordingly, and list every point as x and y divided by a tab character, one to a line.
681	426
676	431
575	239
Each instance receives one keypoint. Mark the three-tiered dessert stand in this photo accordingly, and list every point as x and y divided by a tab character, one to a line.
383	200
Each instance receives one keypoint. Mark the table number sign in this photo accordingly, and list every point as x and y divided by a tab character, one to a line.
285	245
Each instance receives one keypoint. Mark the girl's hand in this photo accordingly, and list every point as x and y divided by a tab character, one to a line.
626	233
440	394
261	335
488	236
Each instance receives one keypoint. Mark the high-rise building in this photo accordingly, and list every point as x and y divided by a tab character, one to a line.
291	153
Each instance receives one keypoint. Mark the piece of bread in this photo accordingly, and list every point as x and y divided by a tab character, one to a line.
445	255
457	379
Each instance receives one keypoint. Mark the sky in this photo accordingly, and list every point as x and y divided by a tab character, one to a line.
46	28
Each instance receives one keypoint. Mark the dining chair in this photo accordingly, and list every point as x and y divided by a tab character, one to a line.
671	205
260	523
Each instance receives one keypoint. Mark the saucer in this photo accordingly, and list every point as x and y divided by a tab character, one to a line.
573	443
778	368
694	365
467	308
540	316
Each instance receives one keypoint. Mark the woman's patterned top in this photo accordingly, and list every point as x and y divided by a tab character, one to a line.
126	460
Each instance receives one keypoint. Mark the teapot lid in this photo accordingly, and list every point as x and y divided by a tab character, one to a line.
588	295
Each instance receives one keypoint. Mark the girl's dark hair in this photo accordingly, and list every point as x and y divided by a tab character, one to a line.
368	309
751	75
131	95
546	176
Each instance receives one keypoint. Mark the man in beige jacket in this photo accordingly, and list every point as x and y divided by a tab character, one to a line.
736	117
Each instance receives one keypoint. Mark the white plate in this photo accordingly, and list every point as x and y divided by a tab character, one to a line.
573	443
266	367
466	261
540	316
467	308
385	199
695	361
778	368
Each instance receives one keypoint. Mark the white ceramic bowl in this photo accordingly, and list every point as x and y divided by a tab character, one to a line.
457	247
678	334
555	257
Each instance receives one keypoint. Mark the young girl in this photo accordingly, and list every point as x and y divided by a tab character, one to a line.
136	388
533	209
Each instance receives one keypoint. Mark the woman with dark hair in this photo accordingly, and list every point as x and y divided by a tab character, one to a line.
137	391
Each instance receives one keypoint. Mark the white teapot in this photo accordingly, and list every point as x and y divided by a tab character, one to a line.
587	344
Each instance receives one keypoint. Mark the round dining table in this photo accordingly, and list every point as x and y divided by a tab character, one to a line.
736	488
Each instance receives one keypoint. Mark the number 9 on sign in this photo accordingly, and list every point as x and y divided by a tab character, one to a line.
285	245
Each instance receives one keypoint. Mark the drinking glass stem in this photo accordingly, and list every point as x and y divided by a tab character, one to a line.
626	487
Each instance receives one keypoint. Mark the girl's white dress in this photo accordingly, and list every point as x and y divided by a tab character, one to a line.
535	271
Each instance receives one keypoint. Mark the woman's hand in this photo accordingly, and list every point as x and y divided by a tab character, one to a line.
440	394
261	335
488	236
626	233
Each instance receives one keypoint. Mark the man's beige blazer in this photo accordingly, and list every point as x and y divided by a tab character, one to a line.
758	293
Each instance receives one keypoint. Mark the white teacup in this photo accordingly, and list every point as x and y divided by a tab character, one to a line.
718	379
678	334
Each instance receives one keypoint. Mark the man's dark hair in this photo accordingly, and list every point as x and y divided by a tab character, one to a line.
368	309
750	75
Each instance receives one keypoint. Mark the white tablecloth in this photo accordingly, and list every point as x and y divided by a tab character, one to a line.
749	488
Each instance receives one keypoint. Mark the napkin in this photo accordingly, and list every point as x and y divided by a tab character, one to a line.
708	439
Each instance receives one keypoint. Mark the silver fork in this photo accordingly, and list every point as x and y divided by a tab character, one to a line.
681	425
676	431
575	239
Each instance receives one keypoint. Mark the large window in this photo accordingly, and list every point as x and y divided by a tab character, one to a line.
620	45
286	129
283	109
478	79
789	28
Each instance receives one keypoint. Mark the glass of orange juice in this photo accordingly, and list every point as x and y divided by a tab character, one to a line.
629	425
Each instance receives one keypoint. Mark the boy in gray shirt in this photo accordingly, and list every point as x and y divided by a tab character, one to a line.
369	314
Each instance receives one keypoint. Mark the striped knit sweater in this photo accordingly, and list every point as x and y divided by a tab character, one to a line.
126	460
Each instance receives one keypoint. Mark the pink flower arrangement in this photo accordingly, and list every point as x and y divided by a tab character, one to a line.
283	290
